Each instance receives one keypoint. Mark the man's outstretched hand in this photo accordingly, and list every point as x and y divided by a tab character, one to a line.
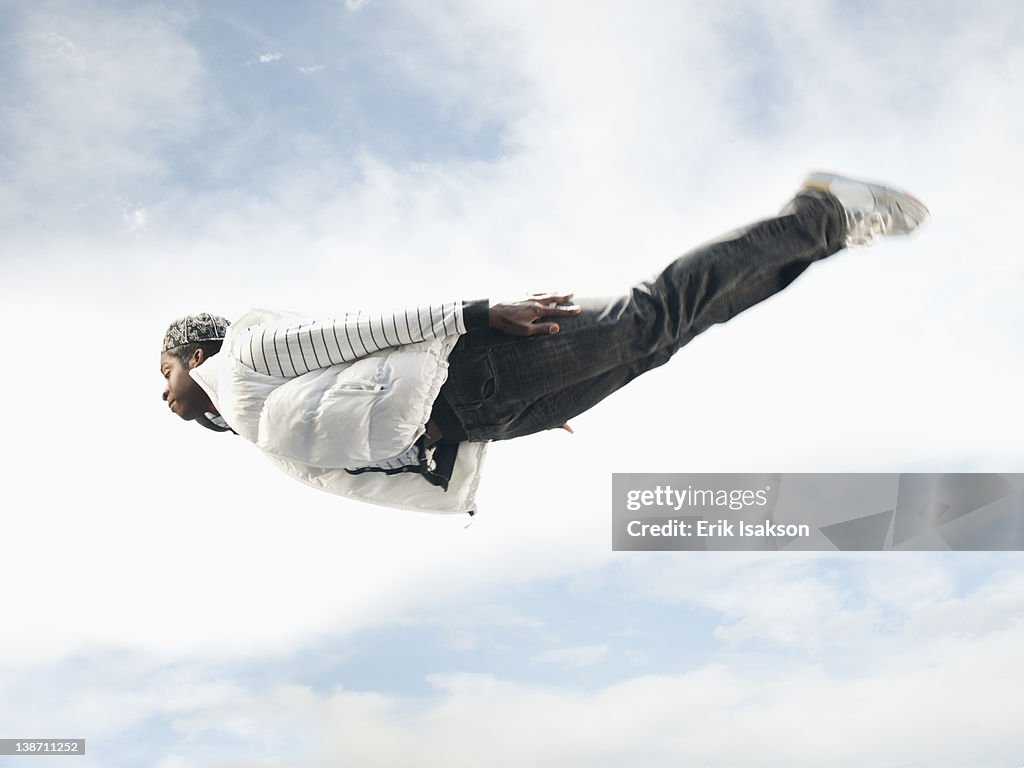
521	318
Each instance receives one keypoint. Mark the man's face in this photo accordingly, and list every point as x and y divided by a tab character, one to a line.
183	394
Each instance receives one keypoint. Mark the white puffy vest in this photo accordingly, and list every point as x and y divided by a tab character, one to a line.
315	425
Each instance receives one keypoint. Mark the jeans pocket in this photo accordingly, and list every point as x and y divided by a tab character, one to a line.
472	379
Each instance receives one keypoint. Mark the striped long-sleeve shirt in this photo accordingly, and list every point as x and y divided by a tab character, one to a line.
309	345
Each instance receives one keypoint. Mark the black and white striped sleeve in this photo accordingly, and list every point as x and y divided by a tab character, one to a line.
309	345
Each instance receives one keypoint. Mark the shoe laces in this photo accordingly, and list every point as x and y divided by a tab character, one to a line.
863	226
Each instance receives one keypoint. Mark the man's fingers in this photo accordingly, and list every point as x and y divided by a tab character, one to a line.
562	310
546	328
548	297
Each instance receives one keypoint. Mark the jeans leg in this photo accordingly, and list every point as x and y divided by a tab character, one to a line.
503	386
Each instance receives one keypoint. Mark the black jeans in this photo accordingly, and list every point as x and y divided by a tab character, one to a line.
500	387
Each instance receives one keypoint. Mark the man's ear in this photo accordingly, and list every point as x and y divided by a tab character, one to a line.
197	358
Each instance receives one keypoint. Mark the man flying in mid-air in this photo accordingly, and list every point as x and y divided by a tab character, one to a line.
397	408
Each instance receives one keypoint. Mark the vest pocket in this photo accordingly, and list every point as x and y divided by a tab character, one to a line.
359	387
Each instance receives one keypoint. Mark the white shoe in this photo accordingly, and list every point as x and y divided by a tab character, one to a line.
871	209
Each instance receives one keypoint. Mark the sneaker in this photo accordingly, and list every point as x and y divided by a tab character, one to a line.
871	209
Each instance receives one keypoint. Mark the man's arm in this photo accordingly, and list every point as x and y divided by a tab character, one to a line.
293	350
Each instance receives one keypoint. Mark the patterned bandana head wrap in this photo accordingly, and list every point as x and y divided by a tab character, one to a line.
195	328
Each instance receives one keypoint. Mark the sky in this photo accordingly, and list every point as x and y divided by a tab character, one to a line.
178	602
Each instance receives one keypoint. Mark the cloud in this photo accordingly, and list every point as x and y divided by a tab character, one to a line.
747	708
174	761
59	47
756	712
135	219
744	704
577	656
266	58
312	69
104	94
